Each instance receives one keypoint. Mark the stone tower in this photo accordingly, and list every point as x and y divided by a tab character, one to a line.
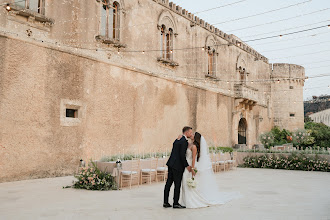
287	95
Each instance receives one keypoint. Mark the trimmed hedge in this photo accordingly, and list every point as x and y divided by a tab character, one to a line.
292	162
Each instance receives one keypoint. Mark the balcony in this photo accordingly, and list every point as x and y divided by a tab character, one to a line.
246	96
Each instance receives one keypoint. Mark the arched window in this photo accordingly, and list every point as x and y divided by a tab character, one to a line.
167	28
211	49
166	42
242	74
241	69
211	70
163	40
169	44
110	20
116	21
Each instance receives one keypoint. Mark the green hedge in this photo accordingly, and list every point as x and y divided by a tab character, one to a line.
292	162
221	149
131	156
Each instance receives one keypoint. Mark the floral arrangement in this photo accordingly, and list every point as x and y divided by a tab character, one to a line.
292	162
91	178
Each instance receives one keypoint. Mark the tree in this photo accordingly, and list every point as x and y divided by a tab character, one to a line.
320	132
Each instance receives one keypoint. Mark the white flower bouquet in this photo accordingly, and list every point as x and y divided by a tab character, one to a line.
191	182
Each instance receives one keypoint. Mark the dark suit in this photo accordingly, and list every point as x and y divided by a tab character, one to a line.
176	165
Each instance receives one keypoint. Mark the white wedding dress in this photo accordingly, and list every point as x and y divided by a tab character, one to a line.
206	192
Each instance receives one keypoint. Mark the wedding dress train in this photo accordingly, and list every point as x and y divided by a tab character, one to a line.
206	192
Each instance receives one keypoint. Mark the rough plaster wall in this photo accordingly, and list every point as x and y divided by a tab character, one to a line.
125	110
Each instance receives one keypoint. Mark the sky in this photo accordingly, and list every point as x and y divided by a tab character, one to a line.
310	49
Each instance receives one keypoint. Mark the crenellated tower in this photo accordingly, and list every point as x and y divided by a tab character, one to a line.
287	95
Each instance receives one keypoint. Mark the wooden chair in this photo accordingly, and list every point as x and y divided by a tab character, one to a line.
128	176
221	162
230	162
214	162
162	171
149	173
235	163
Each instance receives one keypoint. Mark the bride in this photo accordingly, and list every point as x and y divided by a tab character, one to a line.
206	192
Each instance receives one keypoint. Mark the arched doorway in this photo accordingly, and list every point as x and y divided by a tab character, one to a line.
242	127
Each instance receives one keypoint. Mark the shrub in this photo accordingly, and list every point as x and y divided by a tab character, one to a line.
225	149
280	136
130	156
292	162
267	139
221	149
302	138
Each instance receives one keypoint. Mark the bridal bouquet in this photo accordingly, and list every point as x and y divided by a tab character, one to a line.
191	183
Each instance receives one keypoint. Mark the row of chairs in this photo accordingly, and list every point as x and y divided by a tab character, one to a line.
220	162
223	161
137	175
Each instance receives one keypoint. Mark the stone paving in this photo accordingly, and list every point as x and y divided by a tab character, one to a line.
267	194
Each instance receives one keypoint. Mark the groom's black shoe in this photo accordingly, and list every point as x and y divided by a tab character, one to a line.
178	206
166	205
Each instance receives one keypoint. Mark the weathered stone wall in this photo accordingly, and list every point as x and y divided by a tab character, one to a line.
122	111
127	101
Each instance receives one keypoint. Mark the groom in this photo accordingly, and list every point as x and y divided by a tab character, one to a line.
176	165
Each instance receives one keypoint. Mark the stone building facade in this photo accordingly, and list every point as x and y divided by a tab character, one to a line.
85	79
321	117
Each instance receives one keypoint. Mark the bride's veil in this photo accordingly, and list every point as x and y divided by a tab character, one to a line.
207	183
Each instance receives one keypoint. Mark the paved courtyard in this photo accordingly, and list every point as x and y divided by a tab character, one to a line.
267	194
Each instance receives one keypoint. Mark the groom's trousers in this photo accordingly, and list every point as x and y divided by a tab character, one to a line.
176	177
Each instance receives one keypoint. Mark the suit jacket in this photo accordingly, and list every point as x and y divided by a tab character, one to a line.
178	159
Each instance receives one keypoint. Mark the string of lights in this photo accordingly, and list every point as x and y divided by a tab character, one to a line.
262	13
321	61
317	67
150	50
294	38
216	87
176	49
281	20
126	10
281	35
85	31
287	48
203	47
282	30
222	6
160	50
322	51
